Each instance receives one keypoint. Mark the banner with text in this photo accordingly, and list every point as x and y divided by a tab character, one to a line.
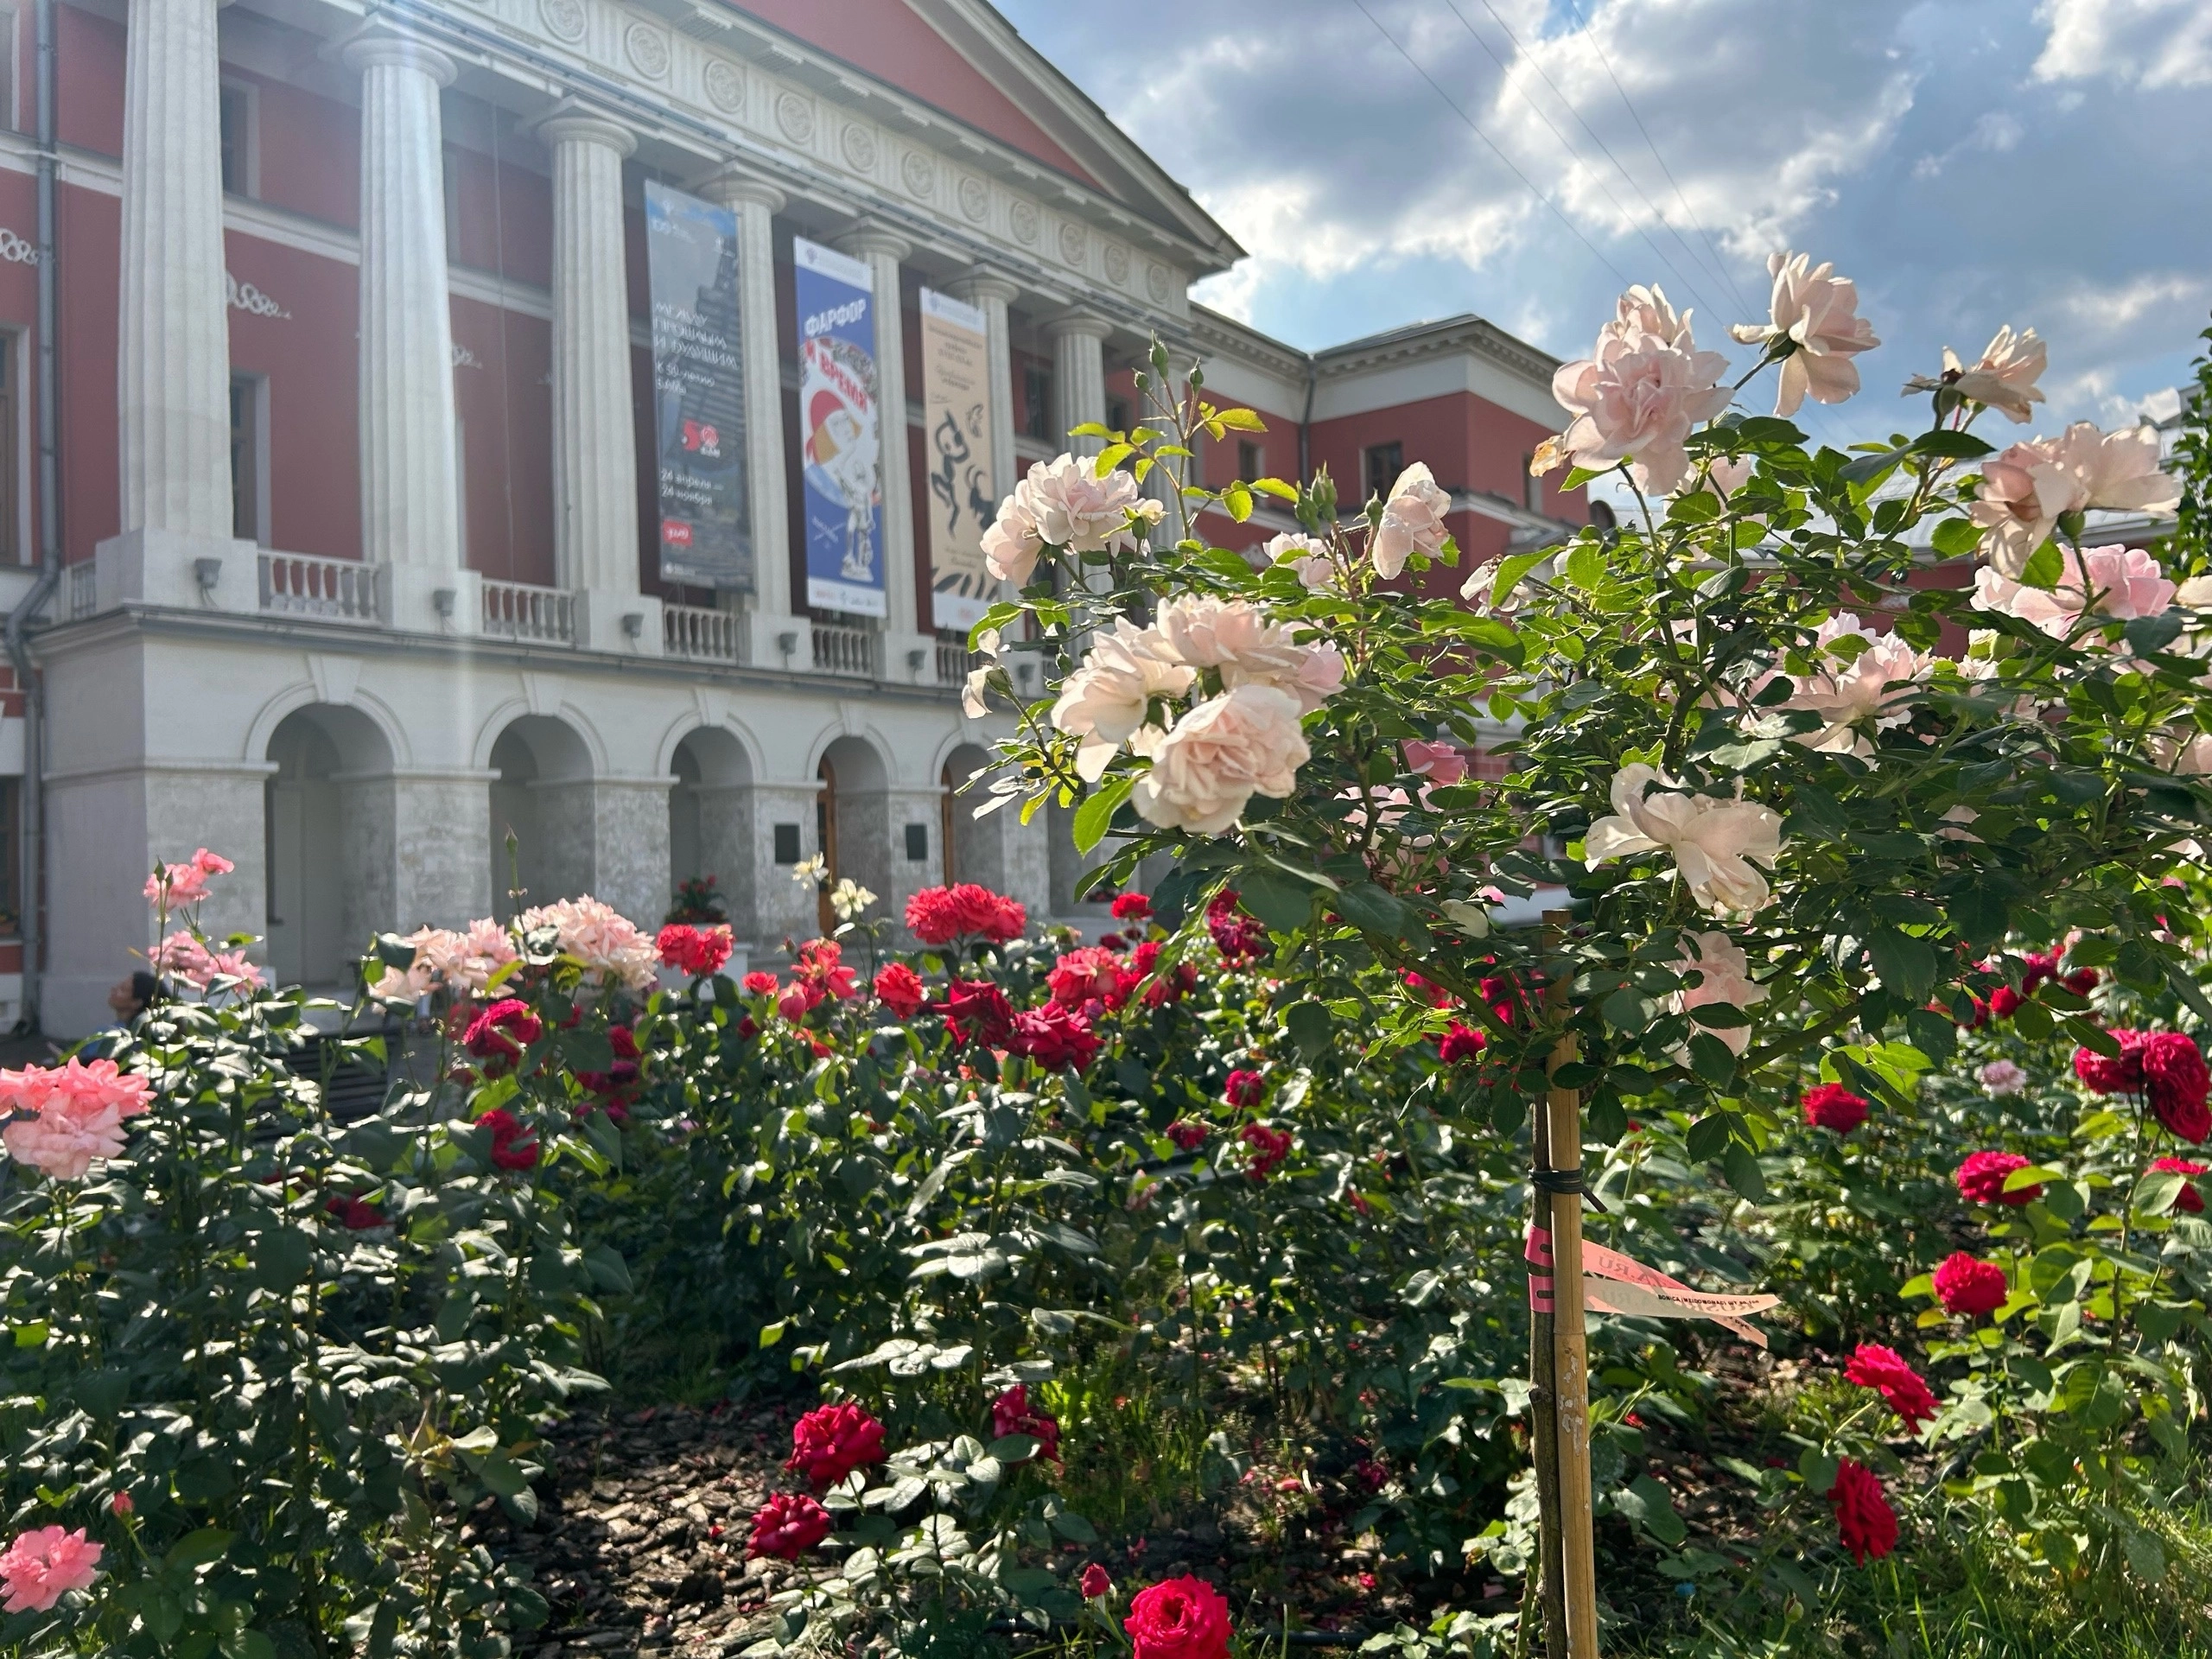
956	408
706	528
838	430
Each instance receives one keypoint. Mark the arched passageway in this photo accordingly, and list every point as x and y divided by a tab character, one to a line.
541	797
328	835
710	823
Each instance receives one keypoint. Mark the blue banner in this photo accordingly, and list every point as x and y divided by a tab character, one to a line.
706	537
839	430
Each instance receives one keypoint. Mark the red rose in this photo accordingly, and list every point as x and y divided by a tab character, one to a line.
1435	995
513	1146
623	1042
2188	1201
503	1030
759	984
1460	1043
2082	980
1244	1088
1171	987
787	1526
697	950
2176	1082
1981	1179
2004	1002
1832	1106
899	988
829	1442
355	1213
977	1011
940	915
1269	1147
1238	936
1010	1415
1965	1284
1131	907
2113	1074
1188	1132
1883	1369
1095	1581
1054	1037
821	970
1863	1516
1180	1619
1093	974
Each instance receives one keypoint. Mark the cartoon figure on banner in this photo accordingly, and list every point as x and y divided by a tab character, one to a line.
957	473
841	456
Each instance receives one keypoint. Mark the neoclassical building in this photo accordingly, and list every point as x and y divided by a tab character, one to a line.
566	421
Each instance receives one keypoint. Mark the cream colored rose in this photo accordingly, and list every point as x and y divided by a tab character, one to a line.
1725	978
1818	312
2004	379
1064	504
1413	521
1244	742
1716	843
1307	555
1637	397
1110	698
1235	636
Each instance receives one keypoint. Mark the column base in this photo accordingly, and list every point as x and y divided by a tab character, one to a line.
418	599
780	641
162	567
628	624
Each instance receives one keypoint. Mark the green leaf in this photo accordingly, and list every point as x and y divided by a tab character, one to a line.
1710	1060
2044	567
1955	537
1276	487
1585	567
1238	501
1951	444
1098	810
771	1335
1651	1506
1240	419
1510	570
1907	965
1978	915
1366	906
1741	1166
282	1257
1308	1025
196	1549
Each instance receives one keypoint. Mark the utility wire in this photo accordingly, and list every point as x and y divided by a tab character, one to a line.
1591	35
1536	64
1475	128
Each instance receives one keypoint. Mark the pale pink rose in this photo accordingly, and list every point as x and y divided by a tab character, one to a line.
1246	742
234	965
2005	378
1716	843
434	950
2027	488
1818	312
471	958
2002	1078
1307	555
2183	750
1413	521
1645	311
1319	675
180	957
1064	504
2119	583
1440	763
209	863
1725	978
1106	700
77	1114
2196	593
1235	637
1724	476
1638	395
1875	684
608	944
2118	470
44	1565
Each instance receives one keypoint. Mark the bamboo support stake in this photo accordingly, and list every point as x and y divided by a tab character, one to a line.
1543	1422
1570	1352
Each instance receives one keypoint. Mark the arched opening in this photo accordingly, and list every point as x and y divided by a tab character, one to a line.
543	833
974	849
328	836
852	820
711	828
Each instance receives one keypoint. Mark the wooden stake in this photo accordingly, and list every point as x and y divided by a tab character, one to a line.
1570	1352
1543	1420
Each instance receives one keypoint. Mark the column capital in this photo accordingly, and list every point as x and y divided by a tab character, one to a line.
980	282
378	45
573	122
732	185
1077	323
868	239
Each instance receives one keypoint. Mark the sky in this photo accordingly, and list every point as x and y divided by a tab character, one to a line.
1967	162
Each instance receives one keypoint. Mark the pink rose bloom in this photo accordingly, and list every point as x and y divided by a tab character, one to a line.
1440	763
2002	1078
2026	489
181	957
608	944
1638	396
1413	521
469	959
176	884
44	1565
1110	698
793	1002
209	863
2119	583
77	1112
1724	976
1235	636
1818	312
2004	379
1064	504
2181	750
1307	555
1716	843
233	965
1875	685
1246	742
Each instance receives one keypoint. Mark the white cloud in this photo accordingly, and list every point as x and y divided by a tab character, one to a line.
2150	43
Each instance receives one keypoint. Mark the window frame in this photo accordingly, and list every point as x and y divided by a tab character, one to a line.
246	144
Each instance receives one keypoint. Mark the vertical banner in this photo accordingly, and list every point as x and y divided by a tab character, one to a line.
706	532
838	431
957	404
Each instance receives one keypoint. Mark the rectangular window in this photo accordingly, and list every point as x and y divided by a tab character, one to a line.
1037	406
918	844
11	916
1251	460
10	110
787	837
1384	462
451	186
1117	414
12	459
250	458
241	175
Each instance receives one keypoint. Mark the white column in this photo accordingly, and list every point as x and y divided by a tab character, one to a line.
990	292
595	431
904	634
756	203
173	379
1078	375
410	490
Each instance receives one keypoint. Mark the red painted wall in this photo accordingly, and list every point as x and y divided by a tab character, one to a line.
892	43
88	237
504	400
87	81
308	150
505	214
